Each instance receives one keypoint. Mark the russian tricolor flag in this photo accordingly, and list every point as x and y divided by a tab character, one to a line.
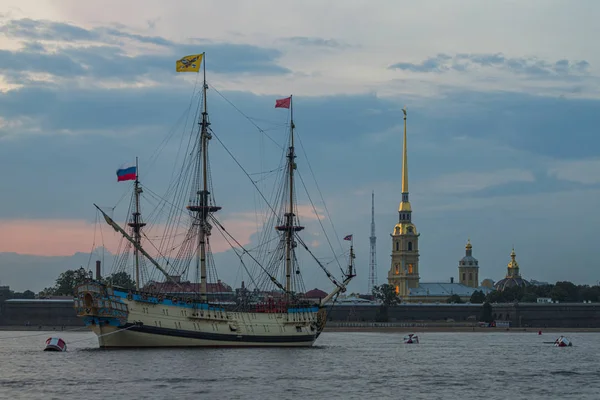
126	174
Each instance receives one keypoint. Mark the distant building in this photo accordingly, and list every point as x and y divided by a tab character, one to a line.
538	283
513	276
315	295
488	283
176	287
4	293
468	268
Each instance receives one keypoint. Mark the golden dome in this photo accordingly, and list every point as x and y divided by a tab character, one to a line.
468	246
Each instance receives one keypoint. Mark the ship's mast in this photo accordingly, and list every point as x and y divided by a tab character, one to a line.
289	228
136	225
201	206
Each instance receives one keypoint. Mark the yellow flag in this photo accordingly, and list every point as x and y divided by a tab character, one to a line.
189	63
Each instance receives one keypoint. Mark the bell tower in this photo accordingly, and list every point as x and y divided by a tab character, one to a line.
468	268
404	271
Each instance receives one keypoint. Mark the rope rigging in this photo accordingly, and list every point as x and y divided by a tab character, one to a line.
176	247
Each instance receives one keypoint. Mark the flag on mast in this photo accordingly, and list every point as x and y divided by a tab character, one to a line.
189	63
348	237
127	174
283	103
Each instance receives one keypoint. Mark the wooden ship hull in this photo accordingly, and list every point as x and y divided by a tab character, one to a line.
120	319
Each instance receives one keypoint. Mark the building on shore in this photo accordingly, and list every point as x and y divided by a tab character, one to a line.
404	271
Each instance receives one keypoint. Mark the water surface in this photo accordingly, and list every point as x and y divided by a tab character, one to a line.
341	366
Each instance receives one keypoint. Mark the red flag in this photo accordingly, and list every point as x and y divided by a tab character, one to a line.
283	103
349	237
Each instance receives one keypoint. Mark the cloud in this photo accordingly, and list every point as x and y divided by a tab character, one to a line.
27	28
462	62
101	55
63	237
432	64
465	182
586	172
49	237
316	42
30	29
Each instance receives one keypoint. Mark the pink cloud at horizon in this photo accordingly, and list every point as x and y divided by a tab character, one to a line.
56	237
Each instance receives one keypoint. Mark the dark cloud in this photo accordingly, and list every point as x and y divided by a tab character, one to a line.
35	61
47	30
431	64
316	42
103	58
527	66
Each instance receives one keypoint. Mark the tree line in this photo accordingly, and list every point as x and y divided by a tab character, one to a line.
561	291
67	281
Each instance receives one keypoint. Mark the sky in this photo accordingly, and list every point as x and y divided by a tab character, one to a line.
503	112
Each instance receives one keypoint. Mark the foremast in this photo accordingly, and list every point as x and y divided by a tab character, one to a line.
289	228
136	225
136	245
200	206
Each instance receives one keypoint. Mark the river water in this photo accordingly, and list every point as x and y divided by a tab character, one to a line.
498	365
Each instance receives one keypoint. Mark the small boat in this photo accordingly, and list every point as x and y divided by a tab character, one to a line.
562	342
411	339
55	344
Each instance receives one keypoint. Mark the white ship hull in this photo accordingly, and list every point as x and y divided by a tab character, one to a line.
149	324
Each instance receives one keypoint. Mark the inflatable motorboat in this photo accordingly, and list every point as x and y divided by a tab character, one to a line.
411	338
562	342
55	344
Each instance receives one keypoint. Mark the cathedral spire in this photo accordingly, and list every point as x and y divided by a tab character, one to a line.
404	159
404	208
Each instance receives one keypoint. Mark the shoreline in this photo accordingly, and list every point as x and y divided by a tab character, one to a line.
450	329
346	329
43	328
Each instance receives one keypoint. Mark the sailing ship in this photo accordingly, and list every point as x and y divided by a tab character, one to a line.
175	312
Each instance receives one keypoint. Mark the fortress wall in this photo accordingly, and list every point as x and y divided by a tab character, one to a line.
574	315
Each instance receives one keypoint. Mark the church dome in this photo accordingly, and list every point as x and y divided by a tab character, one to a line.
510	282
513	277
468	260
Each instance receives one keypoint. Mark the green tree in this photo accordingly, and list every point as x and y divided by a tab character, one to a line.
567	290
121	279
49	291
486	313
529	297
66	282
454	299
477	297
386	294
559	293
591	293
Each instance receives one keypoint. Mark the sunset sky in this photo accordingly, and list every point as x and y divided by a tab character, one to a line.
503	105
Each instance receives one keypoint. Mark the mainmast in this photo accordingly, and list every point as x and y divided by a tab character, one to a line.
200	205
136	225
289	228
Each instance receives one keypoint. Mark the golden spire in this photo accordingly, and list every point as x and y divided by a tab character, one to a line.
469	246
404	204
404	159
513	265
